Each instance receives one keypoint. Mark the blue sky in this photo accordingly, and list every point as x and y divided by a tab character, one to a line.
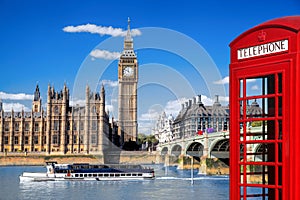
35	48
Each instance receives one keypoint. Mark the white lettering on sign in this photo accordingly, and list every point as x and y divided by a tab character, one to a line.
263	49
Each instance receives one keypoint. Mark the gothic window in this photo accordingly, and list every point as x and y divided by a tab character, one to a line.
68	125
81	139
17	126
6	126
35	139
94	109
75	139
55	139
94	125
67	139
94	139
16	140
56	110
36	127
26	140
5	139
26	126
56	125
74	126
81	126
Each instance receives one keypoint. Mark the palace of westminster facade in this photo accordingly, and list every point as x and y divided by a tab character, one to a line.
65	129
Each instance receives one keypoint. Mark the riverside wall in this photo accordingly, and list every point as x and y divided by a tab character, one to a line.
13	159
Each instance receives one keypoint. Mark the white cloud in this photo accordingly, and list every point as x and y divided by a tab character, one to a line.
101	30
110	83
77	102
18	96
109	108
107	55
225	80
151	115
145	127
255	87
17	107
173	107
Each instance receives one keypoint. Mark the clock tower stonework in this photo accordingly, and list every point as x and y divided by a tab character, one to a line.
128	79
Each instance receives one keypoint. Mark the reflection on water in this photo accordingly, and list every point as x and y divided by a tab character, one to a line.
174	185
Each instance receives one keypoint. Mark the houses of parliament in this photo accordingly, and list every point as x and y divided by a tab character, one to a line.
65	129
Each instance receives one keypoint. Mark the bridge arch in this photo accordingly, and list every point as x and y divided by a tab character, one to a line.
195	149
164	151
176	150
260	152
220	148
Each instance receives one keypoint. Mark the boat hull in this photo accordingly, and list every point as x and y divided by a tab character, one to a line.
27	176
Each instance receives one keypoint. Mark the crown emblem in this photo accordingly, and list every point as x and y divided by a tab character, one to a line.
261	36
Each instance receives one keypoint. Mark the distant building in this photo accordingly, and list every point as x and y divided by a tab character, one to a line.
61	129
194	118
163	129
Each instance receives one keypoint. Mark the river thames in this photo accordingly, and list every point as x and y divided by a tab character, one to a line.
169	183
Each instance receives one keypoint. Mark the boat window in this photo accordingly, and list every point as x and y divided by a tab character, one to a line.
94	175
90	175
81	175
133	174
117	174
100	175
106	175
122	174
76	175
140	174
85	175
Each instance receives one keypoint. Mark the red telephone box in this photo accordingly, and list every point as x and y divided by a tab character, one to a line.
265	112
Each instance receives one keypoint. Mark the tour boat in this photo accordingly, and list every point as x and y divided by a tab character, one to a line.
89	172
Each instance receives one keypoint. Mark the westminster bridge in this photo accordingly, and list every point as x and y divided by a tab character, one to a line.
208	145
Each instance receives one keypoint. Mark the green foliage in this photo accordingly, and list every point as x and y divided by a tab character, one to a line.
142	138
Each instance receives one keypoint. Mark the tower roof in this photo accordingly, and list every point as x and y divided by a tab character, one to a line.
37	93
128	34
128	51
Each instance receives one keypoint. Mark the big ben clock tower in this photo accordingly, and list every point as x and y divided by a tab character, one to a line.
128	78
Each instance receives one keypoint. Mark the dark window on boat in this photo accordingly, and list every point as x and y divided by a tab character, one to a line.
76	175
94	175
117	174
85	175
122	174
100	175
140	174
133	174
105	175
90	175
81	175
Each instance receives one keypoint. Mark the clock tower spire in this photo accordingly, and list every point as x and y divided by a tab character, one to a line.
128	78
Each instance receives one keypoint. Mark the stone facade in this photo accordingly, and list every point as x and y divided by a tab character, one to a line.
62	129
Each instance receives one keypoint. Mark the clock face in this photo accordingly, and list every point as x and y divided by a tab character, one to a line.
128	71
